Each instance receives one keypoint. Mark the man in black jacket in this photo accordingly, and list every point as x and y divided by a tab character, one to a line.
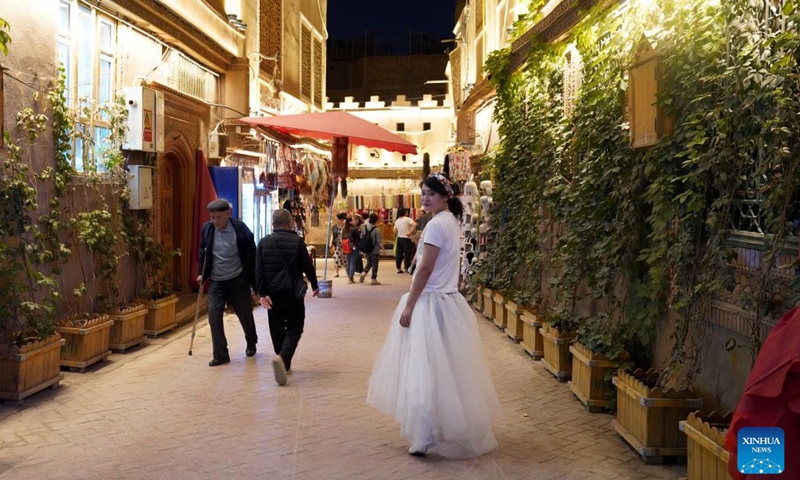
231	251
283	248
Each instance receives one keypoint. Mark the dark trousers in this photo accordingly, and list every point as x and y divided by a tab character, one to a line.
286	320
404	253
372	263
235	291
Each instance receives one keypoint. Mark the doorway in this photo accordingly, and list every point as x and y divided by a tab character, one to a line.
174	215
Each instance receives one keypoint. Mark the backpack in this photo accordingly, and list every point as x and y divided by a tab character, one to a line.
366	244
346	247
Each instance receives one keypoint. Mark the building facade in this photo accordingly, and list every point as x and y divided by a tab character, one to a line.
208	62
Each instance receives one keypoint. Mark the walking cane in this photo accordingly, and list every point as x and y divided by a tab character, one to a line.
197	304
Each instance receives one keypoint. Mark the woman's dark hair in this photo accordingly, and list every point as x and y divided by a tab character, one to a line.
402	212
454	204
341	216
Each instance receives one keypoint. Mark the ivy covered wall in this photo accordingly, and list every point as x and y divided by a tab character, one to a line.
647	232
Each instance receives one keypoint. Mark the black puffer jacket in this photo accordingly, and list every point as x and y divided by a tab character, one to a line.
269	262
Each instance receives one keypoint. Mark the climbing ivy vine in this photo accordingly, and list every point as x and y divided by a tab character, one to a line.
639	232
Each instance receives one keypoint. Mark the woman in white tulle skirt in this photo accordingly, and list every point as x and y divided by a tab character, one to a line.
431	375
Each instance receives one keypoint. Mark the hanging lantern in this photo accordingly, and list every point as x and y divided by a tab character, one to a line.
339	154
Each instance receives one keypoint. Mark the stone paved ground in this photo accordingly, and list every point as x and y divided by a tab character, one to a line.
156	413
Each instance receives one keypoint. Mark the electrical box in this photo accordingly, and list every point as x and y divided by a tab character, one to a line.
140	181
217	145
145	120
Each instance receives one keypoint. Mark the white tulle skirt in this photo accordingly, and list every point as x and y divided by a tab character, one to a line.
432	378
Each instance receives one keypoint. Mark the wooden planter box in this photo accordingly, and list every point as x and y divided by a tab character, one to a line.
477	300
589	377
532	340
707	457
128	328
647	417
513	321
557	357
499	310
86	343
160	316
31	368
488	303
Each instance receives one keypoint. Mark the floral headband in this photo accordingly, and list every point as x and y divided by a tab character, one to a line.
442	179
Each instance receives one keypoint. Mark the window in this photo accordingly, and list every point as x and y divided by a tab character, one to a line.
426	126
86	50
401	127
312	71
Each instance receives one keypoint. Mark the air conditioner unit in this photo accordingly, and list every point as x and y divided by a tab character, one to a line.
145	120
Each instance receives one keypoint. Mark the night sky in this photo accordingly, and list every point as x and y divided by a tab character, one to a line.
350	18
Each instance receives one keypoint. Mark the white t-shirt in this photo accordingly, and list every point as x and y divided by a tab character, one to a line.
443	231
404	226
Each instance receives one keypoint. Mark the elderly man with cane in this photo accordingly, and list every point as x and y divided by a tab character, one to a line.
230	248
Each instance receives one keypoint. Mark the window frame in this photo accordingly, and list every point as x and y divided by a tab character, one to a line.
91	127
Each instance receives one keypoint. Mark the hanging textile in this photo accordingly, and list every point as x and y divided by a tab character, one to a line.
460	167
383	202
339	154
287	166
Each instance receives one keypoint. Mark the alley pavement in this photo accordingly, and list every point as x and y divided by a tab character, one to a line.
156	413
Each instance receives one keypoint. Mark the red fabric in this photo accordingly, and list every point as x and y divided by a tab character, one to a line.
339	156
771	396
204	194
346	247
327	125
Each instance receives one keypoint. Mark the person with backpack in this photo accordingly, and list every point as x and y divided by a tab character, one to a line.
281	261
370	245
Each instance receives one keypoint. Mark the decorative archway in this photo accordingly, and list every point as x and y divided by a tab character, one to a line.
175	188
184	120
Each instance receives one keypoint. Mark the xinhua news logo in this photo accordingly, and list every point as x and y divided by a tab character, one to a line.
761	450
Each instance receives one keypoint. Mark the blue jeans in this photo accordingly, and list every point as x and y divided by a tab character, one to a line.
353	259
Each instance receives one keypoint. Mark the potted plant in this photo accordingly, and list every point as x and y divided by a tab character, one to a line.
598	351
30	349
93	230
514	324
532	341
153	258
499	316
648	415
128	329
558	332
707	456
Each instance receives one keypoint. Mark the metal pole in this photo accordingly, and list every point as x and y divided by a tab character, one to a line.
328	236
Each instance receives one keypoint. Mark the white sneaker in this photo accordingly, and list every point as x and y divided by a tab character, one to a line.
280	370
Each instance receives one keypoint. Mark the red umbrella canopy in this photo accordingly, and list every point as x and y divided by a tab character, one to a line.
327	125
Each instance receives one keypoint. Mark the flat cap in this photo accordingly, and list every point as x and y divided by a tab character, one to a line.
218	205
